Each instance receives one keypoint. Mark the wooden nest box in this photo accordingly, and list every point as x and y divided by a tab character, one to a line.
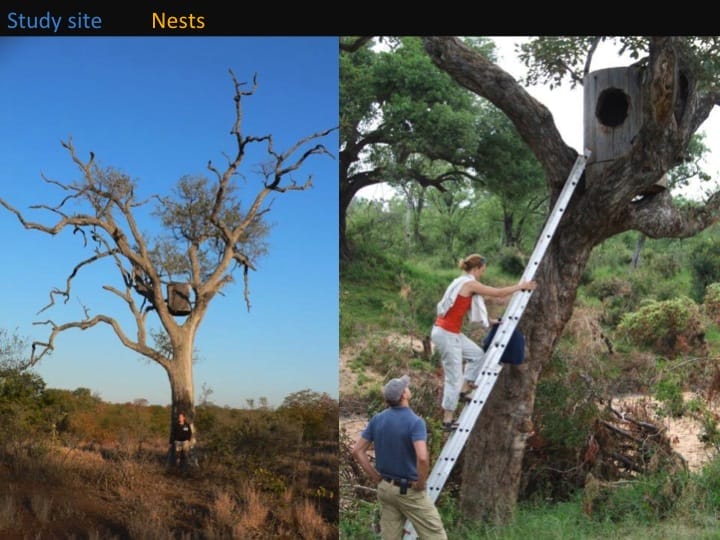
612	116
178	299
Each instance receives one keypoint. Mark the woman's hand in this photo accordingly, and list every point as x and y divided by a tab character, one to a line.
528	285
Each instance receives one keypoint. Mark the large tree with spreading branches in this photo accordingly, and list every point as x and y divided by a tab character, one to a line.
402	120
168	280
609	201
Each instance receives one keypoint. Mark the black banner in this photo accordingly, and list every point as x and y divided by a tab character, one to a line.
178	19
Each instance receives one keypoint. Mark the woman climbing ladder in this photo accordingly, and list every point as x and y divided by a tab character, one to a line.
465	294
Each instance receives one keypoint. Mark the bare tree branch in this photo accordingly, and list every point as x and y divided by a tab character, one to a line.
68	281
49	345
590	54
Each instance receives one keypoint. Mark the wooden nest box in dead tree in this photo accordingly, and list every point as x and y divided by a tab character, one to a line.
178	299
613	108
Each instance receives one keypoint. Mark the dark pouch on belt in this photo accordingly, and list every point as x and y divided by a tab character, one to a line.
403	486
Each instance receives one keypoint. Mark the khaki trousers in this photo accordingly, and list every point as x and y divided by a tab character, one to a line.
415	506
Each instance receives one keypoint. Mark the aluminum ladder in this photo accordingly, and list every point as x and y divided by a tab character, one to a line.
491	362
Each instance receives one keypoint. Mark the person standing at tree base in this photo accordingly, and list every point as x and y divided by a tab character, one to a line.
182	437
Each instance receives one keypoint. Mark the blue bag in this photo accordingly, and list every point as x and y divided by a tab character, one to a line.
514	351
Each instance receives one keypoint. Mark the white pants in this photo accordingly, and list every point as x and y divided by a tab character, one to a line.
454	348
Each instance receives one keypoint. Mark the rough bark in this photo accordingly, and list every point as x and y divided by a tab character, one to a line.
180	375
603	205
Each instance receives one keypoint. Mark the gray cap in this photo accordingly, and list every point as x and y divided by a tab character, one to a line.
393	390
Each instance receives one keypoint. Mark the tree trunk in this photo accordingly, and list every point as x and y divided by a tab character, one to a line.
409	211
508	231
492	463
180	374
638	250
345	199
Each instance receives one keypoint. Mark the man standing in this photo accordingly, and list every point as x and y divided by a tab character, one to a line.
401	467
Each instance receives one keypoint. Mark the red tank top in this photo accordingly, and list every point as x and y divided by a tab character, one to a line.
453	319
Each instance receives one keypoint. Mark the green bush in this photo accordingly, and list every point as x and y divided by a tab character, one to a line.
712	302
610	286
647	500
669	392
670	327
708	482
705	264
511	261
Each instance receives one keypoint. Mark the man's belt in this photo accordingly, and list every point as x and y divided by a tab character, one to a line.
402	483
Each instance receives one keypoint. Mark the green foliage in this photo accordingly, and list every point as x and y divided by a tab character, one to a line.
381	290
566	415
509	171
376	226
553	60
669	392
711	432
692	167
660	507
669	327
648	499
315	412
511	261
708	484
550	60
603	288
405	121
712	302
20	404
705	264
422	109
358	522
268	481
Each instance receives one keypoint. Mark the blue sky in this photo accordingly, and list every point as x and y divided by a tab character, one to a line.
160	108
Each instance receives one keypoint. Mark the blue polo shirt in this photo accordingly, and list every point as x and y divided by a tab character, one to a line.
393	432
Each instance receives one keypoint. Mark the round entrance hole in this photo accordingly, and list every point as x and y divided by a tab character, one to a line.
612	107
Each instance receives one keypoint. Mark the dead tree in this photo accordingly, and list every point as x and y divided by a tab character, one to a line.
207	236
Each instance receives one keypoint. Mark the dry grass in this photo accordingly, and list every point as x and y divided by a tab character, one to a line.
254	513
75	493
8	510
41	506
310	524
147	521
225	510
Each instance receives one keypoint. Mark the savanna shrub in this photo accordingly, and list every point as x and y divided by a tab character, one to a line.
666	264
705	265
617	296
670	327
648	500
712	302
603	288
668	391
